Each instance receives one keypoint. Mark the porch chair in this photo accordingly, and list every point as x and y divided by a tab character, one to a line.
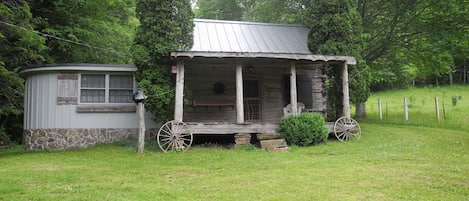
287	110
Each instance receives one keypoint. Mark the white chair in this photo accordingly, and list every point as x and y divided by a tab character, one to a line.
287	110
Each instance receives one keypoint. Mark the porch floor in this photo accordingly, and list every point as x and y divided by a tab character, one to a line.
233	128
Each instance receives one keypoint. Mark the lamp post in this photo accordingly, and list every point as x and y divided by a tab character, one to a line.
139	98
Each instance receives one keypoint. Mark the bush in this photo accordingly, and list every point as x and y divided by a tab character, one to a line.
305	129
4	139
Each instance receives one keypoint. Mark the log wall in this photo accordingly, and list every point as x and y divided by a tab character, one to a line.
203	104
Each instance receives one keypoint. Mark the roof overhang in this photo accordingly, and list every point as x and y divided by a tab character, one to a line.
311	57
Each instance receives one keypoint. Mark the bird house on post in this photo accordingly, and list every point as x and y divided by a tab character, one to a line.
139	98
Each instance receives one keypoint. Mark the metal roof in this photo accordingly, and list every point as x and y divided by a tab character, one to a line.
219	38
232	36
78	67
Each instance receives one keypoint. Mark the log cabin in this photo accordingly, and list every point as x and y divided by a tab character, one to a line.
243	77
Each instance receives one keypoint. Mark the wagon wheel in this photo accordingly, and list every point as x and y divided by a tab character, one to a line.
174	136
347	129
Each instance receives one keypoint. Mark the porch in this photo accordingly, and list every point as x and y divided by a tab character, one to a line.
234	128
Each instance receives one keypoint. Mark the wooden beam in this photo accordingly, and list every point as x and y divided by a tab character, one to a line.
293	95
178	108
345	91
106	109
311	57
239	94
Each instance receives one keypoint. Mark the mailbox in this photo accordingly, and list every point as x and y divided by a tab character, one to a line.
139	96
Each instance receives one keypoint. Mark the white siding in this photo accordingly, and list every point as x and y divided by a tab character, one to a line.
42	111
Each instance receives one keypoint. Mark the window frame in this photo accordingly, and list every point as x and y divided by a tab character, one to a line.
107	88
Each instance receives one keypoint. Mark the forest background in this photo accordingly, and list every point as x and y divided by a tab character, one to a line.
397	43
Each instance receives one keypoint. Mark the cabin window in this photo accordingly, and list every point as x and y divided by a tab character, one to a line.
106	88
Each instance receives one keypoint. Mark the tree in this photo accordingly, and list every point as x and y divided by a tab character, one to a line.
165	26
271	11
336	29
409	40
89	31
18	47
218	9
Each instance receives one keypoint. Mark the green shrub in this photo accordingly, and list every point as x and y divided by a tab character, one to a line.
4	139
455	99
305	129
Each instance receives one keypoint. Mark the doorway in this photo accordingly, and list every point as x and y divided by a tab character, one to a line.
252	106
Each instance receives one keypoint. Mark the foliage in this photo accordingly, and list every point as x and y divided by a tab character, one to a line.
271	11
336	29
455	99
18	47
304	129
165	26
90	31
414	41
218	9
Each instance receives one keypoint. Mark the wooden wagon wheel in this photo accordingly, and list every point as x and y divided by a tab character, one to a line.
347	129
174	136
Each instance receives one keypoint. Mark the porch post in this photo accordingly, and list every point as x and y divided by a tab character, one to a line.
345	91
293	96
178	107
239	94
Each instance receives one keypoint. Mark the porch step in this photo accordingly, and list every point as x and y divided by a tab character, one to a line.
279	145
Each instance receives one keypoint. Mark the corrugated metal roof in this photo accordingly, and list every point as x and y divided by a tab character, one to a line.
248	37
233	39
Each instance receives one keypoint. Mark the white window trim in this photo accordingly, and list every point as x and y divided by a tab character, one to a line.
106	89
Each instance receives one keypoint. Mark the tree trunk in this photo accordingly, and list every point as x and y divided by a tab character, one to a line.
465	73
450	77
360	111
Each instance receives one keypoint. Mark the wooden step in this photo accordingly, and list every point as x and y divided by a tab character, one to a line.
279	145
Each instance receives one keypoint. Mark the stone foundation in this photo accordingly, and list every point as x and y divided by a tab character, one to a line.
75	138
242	139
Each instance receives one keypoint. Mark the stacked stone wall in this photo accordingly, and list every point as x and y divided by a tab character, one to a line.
60	139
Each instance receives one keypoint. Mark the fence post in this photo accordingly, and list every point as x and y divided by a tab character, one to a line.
406	110
380	110
437	109
444	112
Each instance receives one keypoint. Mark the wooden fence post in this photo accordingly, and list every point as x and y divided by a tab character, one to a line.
437	109
141	127
380	110
406	110
444	112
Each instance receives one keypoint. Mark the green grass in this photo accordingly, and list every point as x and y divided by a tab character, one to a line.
394	160
388	163
422	107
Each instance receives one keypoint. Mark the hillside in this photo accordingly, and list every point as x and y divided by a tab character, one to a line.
453	107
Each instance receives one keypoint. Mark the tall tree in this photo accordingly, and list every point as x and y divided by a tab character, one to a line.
19	47
165	25
89	31
410	40
218	9
336	29
272	11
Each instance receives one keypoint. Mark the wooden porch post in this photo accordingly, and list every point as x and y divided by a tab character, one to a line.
345	91
239	94
293	95
178	108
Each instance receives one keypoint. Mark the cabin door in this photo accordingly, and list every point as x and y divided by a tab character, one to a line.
252	106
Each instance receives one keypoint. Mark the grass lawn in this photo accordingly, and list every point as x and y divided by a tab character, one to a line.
421	103
388	163
420	159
